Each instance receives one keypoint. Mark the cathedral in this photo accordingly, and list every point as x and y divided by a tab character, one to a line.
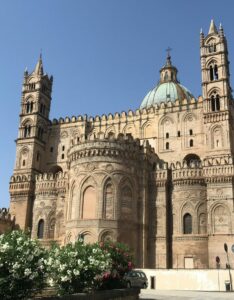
160	178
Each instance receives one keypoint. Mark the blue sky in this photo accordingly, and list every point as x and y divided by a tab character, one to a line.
104	55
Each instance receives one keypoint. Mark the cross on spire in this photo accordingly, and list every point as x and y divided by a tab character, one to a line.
168	51
168	62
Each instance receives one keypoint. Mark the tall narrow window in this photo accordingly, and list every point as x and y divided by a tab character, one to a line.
167	135
38	156
178	133
40	229
27	130
212	103
28	107
191	143
89	203
126	202
216	74
217	102
190	132
108	201
211	73
187	224
167	146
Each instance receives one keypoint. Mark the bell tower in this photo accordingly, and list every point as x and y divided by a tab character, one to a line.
216	88
216	91
31	142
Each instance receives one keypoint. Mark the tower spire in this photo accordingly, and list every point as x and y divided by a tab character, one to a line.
213	28
39	66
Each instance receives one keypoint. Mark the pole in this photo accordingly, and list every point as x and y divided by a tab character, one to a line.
228	265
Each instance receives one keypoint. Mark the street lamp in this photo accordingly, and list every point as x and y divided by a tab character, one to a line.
228	265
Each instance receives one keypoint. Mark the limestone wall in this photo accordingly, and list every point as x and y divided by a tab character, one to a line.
195	280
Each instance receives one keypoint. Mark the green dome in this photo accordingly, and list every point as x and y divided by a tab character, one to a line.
164	92
168	89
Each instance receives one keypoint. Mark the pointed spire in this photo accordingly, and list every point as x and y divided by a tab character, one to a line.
202	37
26	72
213	28
39	66
221	33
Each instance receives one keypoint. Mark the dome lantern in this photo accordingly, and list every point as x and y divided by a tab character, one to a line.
168	88
168	72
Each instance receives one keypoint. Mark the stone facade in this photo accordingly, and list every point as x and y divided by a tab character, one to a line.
159	178
7	222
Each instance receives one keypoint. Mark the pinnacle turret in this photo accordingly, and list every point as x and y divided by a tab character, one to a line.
39	67
213	28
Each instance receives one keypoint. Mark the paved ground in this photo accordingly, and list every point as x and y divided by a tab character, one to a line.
184	295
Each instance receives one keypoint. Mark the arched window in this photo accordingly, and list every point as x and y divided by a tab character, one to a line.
40	132
55	169
38	156
191	143
192	159
187	224
211	73
108	201
215	102
212	103
167	146
212	48
27	130
190	132
89	203
29	107
40	229
216	74
167	135
126	202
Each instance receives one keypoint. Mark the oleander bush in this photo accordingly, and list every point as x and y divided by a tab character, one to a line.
26	267
22	266
77	267
121	263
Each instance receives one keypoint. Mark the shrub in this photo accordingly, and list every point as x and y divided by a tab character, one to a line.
22	266
77	267
122	262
